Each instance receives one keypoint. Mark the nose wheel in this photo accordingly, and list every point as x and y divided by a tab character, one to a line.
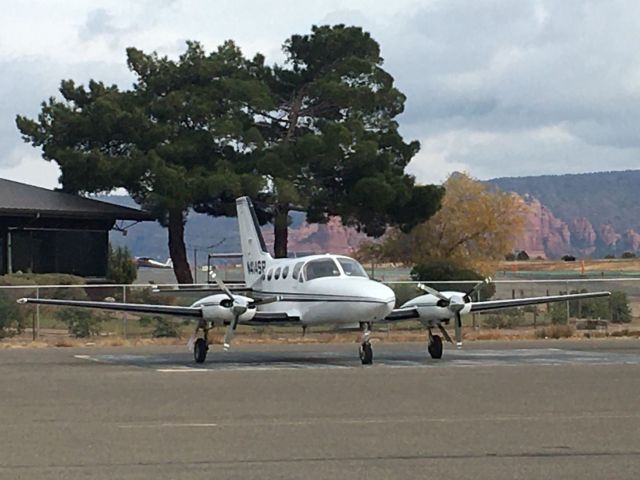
434	347
365	350
366	353
201	345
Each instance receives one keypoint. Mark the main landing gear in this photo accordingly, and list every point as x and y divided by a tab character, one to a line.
365	350
201	345
434	347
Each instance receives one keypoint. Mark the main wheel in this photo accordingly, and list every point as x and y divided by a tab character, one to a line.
435	347
200	350
366	353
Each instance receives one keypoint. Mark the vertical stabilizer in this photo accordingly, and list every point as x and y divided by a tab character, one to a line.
254	251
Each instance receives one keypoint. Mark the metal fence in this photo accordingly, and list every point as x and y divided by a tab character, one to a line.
43	321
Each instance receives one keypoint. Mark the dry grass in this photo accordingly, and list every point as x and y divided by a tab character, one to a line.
555	331
600	265
397	336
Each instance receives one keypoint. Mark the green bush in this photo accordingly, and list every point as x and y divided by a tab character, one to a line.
164	328
121	268
13	318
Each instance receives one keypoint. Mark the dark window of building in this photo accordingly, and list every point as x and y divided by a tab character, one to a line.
82	253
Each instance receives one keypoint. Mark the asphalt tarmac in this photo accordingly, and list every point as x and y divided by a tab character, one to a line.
493	410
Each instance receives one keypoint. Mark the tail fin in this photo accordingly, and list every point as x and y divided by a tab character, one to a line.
254	250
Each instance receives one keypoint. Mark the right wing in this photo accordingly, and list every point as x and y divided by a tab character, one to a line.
123	307
520	302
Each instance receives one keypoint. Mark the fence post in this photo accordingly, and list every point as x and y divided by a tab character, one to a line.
124	314
568	306
37	333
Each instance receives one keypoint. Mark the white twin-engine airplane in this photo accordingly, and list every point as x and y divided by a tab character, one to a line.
318	289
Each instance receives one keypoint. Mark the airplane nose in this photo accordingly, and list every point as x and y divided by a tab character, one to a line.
385	298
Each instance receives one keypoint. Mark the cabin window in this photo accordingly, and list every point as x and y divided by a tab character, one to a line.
325	267
285	272
269	273
276	275
352	268
296	269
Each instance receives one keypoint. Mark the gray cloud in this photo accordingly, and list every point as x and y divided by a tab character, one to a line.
98	23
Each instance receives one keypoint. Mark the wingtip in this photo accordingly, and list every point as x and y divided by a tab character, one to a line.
22	301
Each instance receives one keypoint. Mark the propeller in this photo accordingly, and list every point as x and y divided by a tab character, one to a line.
238	307
455	304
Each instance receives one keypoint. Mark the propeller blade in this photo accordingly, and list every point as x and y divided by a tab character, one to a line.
477	287
265	301
192	340
458	327
222	286
432	291
229	334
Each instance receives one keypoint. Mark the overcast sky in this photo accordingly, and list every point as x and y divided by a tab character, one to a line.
496	88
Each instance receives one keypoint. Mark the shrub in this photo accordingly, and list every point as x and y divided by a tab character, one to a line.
507	319
164	328
568	258
121	268
609	256
628	255
620	311
81	323
555	331
522	255
12	316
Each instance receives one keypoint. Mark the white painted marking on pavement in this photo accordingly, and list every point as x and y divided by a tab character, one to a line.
181	370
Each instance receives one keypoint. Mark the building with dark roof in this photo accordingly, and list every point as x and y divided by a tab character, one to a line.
43	231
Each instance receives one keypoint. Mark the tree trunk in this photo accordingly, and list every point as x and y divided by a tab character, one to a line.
280	230
177	248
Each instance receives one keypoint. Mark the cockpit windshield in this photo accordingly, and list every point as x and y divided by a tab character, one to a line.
324	267
352	268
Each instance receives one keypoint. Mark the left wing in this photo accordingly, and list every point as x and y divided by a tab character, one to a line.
124	307
520	302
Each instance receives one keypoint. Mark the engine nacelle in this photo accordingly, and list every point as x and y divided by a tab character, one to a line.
219	309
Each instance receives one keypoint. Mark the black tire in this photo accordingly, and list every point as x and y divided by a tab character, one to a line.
366	354
200	350
435	347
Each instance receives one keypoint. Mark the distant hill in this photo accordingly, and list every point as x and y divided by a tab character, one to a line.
590	214
602	197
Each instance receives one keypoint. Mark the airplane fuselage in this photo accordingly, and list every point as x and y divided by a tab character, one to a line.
327	288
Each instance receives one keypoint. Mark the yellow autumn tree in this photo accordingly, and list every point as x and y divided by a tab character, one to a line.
475	227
